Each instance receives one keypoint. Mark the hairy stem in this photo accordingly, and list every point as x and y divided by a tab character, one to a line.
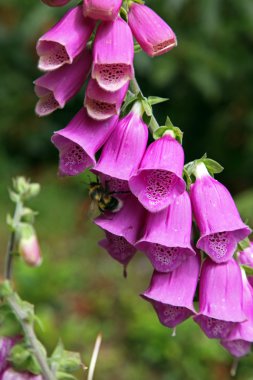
135	89
28	330
11	243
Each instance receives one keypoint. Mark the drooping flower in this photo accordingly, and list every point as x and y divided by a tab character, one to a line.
10	374
242	332
80	140
56	88
167	235
122	228
152	33
217	217
56	3
102	104
64	41
101	9
158	181
6	343
28	246
172	294
237	348
123	152
113	54
220	298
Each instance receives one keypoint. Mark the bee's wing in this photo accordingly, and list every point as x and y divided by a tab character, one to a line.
93	211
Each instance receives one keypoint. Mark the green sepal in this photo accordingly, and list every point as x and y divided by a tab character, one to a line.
28	215
243	244
147	107
248	270
152	100
65	361
212	166
128	103
160	132
22	359
187	179
23	189
14	197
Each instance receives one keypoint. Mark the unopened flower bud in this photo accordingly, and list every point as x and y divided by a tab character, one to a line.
29	247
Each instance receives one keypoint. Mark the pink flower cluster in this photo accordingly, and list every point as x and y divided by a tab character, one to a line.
156	213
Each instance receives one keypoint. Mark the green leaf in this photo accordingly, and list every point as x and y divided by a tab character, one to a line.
14	197
243	244
64	376
22	359
152	100
65	361
212	166
248	270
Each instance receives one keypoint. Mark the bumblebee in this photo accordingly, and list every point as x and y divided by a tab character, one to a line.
104	199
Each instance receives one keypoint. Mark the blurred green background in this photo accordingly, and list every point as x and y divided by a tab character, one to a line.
79	291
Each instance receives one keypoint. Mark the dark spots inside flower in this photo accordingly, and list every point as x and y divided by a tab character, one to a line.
53	55
119	248
219	243
73	159
99	108
47	104
165	258
164	46
113	73
159	184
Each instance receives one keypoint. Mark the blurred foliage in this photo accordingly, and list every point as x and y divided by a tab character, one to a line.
79	291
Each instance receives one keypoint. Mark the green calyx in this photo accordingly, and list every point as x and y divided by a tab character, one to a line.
169	129
200	167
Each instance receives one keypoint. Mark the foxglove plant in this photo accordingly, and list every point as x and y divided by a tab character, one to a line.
142	183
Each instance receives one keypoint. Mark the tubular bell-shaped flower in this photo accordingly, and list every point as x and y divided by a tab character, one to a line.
113	54
80	140
56	3
28	246
217	217
158	181
220	298
123	152
242	332
65	40
152	33
245	257
101	9
102	104
172	294
167	235
56	88
122	228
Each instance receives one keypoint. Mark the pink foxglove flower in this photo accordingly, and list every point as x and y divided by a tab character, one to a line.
220	298
237	348
172	294
65	41
113	54
217	217
80	140
122	228
123	152
6	344
151	32
105	10
102	104
158	181
10	374
56	88
167	235
242	332
56	3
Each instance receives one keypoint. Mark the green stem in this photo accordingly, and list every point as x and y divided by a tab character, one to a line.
11	243
135	89
28	330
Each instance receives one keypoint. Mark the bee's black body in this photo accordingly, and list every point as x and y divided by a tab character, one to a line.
103	198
